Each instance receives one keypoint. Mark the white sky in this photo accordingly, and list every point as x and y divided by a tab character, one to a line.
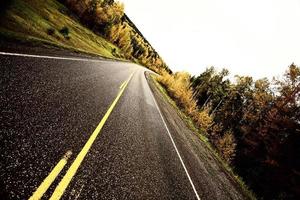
254	37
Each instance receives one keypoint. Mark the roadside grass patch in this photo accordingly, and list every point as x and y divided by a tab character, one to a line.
50	31
51	23
65	32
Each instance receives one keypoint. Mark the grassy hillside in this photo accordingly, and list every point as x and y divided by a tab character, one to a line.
107	18
50	22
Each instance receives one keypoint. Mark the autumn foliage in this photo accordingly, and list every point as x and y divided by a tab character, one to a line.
264	118
107	18
254	125
178	88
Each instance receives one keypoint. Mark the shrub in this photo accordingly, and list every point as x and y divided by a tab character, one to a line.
64	11
178	87
50	31
226	146
64	31
203	119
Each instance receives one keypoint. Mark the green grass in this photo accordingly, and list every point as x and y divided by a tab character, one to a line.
46	22
189	122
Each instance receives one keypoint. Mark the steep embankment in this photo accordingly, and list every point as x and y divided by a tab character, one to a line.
107	18
50	22
99	27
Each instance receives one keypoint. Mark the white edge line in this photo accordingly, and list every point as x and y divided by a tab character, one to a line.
186	171
50	57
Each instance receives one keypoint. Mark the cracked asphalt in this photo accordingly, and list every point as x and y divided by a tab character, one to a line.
49	107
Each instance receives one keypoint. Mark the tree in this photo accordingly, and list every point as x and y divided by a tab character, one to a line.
210	87
107	13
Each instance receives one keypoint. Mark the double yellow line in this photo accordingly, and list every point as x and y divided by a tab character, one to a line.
62	186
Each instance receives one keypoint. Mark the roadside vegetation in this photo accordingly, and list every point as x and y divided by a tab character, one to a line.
253	125
50	22
107	18
94	26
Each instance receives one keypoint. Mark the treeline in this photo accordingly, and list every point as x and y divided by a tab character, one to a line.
106	17
254	125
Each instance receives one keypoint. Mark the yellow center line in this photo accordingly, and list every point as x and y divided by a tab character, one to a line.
122	85
51	177
60	189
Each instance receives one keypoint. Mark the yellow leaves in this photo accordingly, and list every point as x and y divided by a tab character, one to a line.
227	146
120	34
108	14
203	119
132	44
102	14
114	32
178	87
293	72
118	8
158	62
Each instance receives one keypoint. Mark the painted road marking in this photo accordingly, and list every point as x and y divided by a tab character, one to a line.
50	57
51	177
62	186
122	85
178	154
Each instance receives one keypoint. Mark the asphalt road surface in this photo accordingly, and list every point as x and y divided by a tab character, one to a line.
86	128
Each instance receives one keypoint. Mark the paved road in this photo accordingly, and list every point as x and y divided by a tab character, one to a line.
51	107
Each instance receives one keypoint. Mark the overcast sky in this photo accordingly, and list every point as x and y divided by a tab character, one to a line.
249	37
